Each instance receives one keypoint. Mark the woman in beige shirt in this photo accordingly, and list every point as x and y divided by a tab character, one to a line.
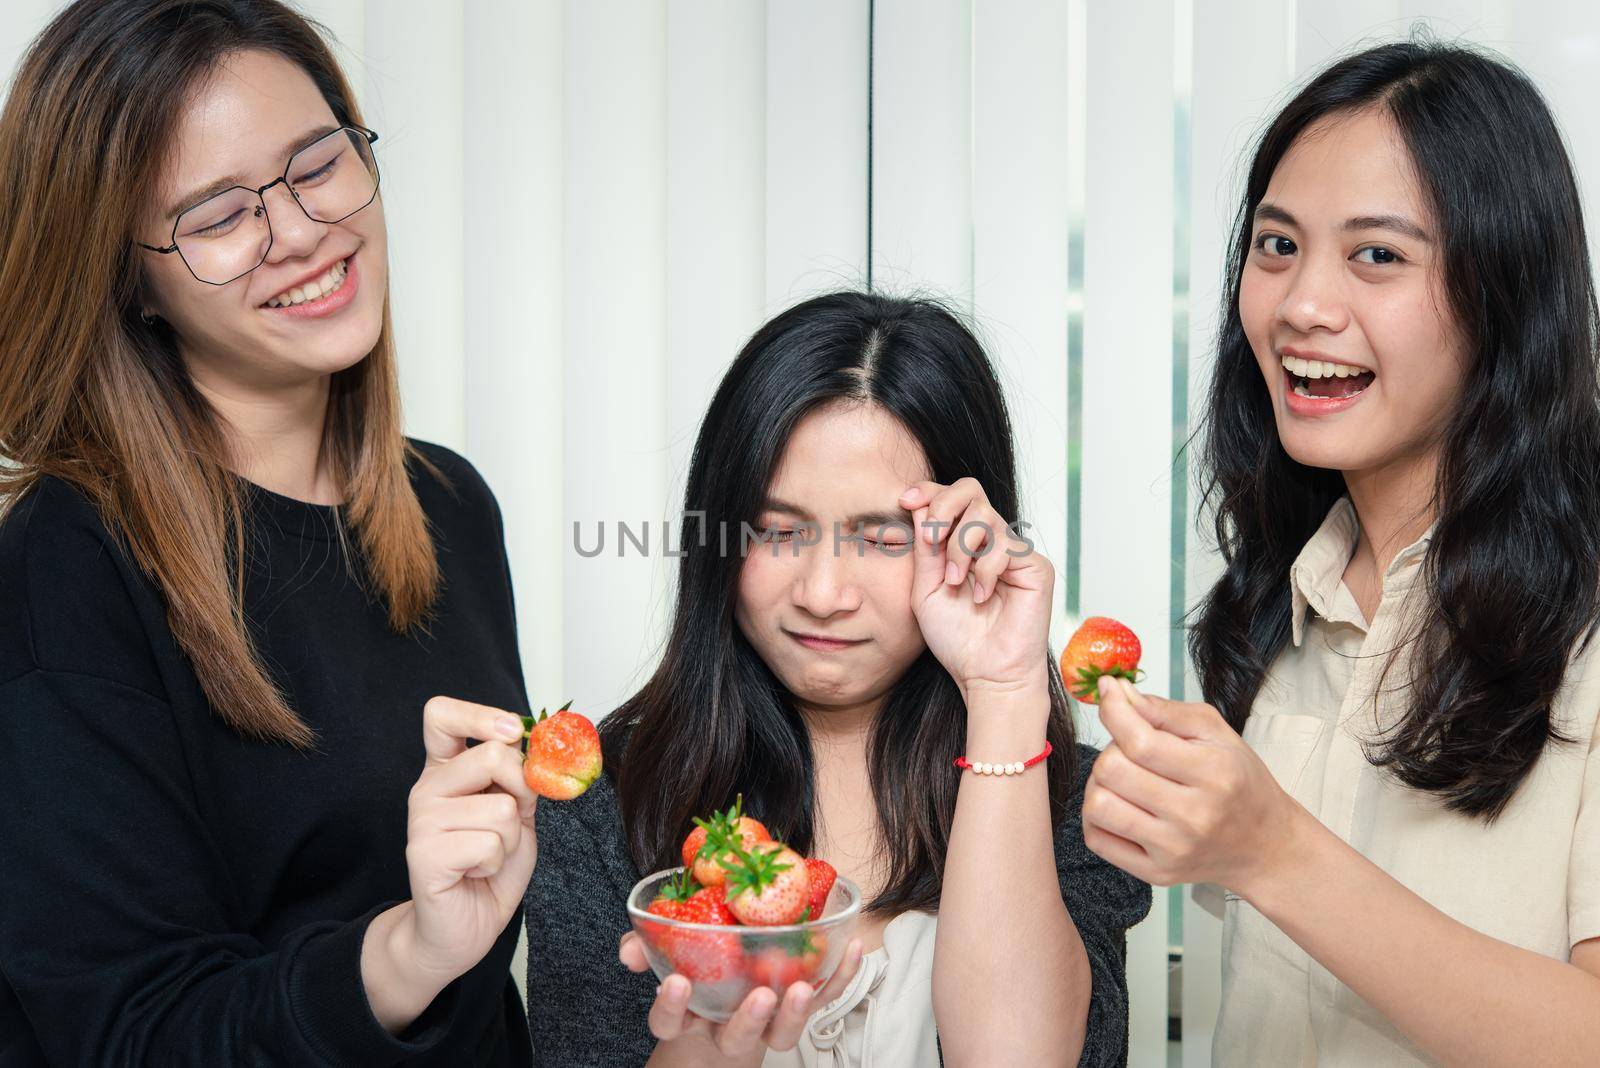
1403	451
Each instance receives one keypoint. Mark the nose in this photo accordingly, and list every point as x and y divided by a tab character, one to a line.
823	586
294	233
1315	299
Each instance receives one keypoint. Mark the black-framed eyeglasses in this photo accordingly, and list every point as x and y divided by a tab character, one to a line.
227	236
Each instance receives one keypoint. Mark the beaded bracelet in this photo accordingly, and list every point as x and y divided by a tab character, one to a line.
1016	767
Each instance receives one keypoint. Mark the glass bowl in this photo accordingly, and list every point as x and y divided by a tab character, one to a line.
724	963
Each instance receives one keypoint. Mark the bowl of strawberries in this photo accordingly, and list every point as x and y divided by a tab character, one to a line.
743	911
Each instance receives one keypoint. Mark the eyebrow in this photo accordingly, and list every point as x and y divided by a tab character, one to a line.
861	519
183	204
1267	212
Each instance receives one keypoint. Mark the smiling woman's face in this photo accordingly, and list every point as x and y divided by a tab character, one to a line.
1343	303
846	464
246	121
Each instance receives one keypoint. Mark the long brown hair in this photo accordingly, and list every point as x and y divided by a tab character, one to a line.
92	394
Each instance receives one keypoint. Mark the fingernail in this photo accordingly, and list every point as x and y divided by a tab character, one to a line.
977	592
1127	688
1103	684
676	991
508	727
910	494
952	573
764	1007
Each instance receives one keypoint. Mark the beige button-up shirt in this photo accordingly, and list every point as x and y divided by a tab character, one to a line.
1532	878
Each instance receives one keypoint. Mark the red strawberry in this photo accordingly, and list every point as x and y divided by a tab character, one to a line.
1101	646
777	968
563	754
706	956
673	897
768	885
708	905
820	877
714	840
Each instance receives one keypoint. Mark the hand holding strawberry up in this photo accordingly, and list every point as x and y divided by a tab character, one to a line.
470	850
1179	797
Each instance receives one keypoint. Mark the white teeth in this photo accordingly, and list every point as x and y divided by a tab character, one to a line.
1320	368
313	289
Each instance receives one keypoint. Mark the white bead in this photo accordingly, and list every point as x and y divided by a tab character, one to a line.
983	769
1019	767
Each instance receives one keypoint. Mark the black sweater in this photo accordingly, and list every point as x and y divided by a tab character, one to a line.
585	1010
176	894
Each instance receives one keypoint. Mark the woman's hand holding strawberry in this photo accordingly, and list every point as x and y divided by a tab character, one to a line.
990	632
470	850
1178	797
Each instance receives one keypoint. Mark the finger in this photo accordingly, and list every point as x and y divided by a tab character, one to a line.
667	1014
742	1032
917	498
445	860
1164	754
478	812
1129	856
476	770
799	1001
990	570
1156	794
928	569
843	974
945	504
972	539
1182	718
631	952
1112	812
447	723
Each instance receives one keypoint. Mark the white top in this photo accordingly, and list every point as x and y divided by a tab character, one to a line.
884	1018
1531	878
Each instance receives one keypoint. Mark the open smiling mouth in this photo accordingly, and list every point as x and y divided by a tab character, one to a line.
1323	380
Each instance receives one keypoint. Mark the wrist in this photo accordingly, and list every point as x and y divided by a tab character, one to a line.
1006	722
1288	854
398	987
1006	696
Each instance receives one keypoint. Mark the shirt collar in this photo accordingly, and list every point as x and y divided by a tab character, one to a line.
1316	574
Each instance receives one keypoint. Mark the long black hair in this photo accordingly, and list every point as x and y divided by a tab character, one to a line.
1513	568
714	721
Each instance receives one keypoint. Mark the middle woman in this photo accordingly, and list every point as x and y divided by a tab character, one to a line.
831	673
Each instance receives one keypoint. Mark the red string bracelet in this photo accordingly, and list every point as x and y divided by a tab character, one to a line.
1016	767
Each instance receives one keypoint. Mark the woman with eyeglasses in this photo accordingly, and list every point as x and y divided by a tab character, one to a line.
238	824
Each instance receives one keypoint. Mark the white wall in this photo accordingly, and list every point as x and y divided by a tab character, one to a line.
593	202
